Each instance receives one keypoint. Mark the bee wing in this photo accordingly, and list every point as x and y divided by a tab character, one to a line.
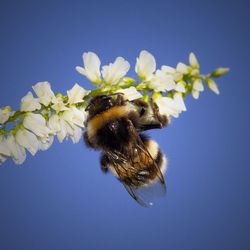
139	173
146	194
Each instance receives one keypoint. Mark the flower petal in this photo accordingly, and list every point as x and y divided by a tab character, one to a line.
44	93
91	67
17	151
182	68
193	60
29	103
37	124
130	93
113	72
28	140
76	94
5	114
213	86
145	65
197	85
195	94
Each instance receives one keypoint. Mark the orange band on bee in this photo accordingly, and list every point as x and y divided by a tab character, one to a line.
111	114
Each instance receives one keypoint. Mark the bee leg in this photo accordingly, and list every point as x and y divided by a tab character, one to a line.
104	163
120	100
142	105
162	119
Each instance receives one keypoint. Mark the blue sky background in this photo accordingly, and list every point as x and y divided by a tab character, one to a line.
60	199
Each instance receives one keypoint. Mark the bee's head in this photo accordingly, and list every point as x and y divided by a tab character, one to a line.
99	104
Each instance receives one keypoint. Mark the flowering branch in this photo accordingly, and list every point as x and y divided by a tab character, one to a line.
46	115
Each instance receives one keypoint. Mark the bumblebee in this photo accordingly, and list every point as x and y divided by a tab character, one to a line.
115	126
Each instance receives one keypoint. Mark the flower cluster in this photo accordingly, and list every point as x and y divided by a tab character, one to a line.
46	115
39	119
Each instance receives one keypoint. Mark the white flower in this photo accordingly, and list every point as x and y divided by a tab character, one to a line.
29	103
193	61
197	88
130	93
168	69
4	150
59	104
44	93
197	85
213	86
17	151
178	99
69	123
145	65
167	106
182	68
63	126
74	116
180	87
77	134
45	143
177	76
162	82
76	94
5	114
91	67
37	124
195	94
27	140
65	130
54	124
113	72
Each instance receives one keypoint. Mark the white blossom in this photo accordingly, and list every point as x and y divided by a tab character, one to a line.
168	69
45	143
177	76
145	65
77	134
4	150
195	94
167	106
37	124
69	123
76	94
193	61
180	87
54	124
74	116
5	114
213	86
114	72
17	151
182	68
65	130
44	93
59	104
130	93
29	103
197	88
91	67
27	140
162	82
178	99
